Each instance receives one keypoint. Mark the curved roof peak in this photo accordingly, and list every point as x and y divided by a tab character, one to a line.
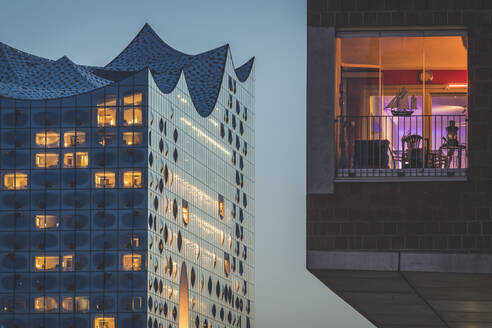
25	76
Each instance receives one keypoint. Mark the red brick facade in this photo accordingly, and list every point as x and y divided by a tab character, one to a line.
415	216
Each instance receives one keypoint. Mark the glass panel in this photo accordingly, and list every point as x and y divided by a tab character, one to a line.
46	263
15	181
46	221
132	262
105	138
49	139
132	99
106	111
105	179
67	304
132	179
68	263
45	304
46	160
132	138
81	159
132	116
74	138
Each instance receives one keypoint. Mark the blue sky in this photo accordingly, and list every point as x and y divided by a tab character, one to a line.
93	32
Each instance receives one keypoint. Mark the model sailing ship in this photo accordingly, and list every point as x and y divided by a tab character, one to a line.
399	105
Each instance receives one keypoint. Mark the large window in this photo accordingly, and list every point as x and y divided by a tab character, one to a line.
46	263
132	138
15	180
106	111
78	159
45	304
132	262
104	322
74	138
46	160
105	179
48	139
132	112
401	104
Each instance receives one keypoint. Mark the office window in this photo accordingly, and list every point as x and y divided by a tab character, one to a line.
106	111
46	263
132	179
105	179
46	221
46	160
45	304
104	322
68	263
74	138
48	139
15	181
105	138
132	262
133	115
81	159
81	304
132	138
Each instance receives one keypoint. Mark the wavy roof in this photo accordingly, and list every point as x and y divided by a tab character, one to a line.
25	76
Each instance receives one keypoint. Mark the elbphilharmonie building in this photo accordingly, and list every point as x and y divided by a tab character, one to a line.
127	191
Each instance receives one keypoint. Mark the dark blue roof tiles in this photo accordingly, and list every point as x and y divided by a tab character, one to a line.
243	72
26	76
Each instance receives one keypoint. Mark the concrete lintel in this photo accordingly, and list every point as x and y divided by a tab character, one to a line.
396	261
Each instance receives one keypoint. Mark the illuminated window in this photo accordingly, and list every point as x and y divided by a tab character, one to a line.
106	112
105	179
227	265
46	221
68	263
105	138
132	116
81	159
132	179
49	139
46	263
186	213
132	262
73	138
104	322
46	160
81	304
15	180
45	304
135	242
221	207
132	138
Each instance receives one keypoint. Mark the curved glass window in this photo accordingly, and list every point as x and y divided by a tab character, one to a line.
132	179
15	181
74	138
49	139
45	304
80	159
105	179
46	221
46	160
132	262
132	138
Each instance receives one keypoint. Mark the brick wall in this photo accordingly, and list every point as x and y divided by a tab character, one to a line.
419	216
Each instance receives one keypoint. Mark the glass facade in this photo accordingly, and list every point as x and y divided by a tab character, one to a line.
127	208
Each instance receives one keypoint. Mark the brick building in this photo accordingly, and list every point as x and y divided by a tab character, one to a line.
399	158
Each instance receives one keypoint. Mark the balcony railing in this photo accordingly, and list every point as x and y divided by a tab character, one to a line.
398	146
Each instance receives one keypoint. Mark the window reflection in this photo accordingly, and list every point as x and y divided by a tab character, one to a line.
49	139
74	138
45	304
46	221
132	138
132	179
81	159
46	160
15	181
46	263
105	179
132	262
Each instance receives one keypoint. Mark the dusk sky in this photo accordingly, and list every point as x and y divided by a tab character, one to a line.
274	31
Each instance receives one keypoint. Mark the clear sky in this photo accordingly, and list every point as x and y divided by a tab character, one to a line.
92	32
